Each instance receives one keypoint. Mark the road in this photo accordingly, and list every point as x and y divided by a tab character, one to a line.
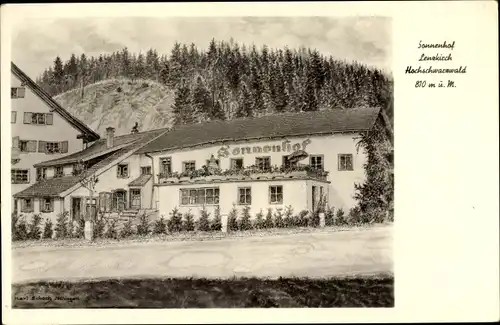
319	254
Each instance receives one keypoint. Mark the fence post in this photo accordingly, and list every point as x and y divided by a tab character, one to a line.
322	220
89	230
224	220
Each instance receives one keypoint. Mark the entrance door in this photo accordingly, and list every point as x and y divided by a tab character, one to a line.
314	201
76	205
119	200
135	198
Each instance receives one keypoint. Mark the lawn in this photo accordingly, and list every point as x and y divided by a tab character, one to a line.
208	293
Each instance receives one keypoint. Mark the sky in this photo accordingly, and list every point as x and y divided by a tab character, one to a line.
36	42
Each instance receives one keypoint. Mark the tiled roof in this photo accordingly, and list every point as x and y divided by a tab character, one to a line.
100	148
49	187
37	90
140	181
56	186
271	126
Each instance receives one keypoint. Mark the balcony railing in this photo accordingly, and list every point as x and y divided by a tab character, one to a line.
248	173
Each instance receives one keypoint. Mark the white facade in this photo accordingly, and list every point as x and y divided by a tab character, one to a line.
113	192
339	187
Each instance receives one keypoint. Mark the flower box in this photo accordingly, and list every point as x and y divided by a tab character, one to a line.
296	174
172	180
184	179
277	175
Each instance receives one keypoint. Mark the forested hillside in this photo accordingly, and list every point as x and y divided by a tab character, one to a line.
228	80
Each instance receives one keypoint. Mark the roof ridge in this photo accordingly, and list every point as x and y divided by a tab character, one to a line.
44	96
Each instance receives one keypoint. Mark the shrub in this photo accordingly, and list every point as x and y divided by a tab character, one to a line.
278	219
99	226
34	231
80	228
340	218
216	224
356	217
245	223
119	89
288	219
47	229
329	216
175	222
232	219
143	226
111	232
160	226
204	220
303	218
62	225
70	229
188	222
127	230
145	85
259	220
268	223
314	219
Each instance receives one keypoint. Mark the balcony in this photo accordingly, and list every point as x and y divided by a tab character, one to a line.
249	173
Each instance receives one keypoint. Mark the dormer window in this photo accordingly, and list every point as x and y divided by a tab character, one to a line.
17	92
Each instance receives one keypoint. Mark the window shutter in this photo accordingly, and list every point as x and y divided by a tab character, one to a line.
21	91
108	201
42	146
15	142
64	147
117	171
49	118
31	145
27	118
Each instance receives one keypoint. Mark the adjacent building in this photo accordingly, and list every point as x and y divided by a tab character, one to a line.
41	130
266	162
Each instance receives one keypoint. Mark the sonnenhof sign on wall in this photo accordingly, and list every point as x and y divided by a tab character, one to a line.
285	146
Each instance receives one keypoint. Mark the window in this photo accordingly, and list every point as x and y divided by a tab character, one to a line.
38	118
317	162
105	199
59	171
17	92
146	170
27	145
276	194
200	196
236	163
122	171
53	147
244	195
288	163
47	205
166	165
263	162
27	205
13	117
20	176
78	169
189	166
41	173
345	162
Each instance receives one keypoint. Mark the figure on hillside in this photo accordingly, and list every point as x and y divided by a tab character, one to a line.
135	129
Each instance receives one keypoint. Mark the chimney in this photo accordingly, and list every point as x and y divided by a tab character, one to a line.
110	134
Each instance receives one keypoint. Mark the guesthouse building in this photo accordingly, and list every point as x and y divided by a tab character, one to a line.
41	130
275	161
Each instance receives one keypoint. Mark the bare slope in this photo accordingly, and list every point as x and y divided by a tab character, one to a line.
120	103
